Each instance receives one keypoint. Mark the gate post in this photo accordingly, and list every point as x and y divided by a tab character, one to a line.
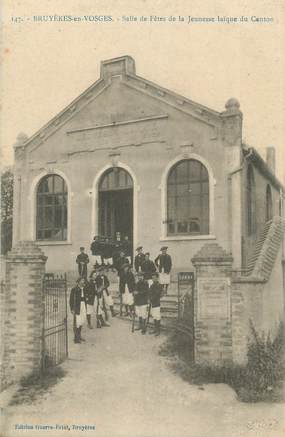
25	267
212	305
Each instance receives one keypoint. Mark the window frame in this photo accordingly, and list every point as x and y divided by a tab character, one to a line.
251	201
268	204
174	183
56	200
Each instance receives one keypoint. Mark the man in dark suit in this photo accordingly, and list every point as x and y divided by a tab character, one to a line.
164	265
127	287
148	268
91	291
82	260
77	303
139	259
121	260
155	293
141	301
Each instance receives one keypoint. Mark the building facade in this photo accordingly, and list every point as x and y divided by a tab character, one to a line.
129	158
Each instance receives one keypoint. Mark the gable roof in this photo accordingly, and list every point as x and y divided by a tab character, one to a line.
125	67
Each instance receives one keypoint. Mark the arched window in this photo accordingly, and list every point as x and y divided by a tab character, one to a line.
251	200
188	198
268	206
51	208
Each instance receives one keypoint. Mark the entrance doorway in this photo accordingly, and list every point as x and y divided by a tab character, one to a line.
116	204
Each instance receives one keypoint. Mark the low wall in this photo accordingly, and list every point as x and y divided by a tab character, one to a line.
22	300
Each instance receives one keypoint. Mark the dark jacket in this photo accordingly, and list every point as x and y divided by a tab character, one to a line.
96	247
129	280
102	281
148	268
75	298
120	261
91	291
139	259
155	293
163	261
141	293
82	268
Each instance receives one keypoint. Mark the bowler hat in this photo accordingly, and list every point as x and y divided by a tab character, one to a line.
164	248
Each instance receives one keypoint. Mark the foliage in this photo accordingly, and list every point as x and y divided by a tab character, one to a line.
7	180
265	367
261	379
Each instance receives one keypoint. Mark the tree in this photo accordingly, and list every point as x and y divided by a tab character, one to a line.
7	181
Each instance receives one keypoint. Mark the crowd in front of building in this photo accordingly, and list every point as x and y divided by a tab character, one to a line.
141	285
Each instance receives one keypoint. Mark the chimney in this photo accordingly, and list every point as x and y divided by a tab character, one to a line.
270	158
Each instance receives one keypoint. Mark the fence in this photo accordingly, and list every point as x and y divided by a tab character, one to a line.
54	336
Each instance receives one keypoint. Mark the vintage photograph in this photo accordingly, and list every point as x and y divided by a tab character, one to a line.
142	219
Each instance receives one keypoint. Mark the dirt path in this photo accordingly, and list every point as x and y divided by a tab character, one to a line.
118	382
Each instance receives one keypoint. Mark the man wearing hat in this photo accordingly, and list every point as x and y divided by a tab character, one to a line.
164	264
121	260
139	259
82	260
127	287
77	303
103	283
148	268
91	299
155	293
141	301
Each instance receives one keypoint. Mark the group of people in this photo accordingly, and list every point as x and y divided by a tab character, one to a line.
140	290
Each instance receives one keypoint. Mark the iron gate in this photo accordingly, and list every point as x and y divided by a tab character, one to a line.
54	336
186	306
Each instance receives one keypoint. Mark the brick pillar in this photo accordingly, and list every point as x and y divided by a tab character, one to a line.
25	267
212	305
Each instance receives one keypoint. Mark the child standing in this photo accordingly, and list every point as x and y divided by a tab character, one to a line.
141	301
155	293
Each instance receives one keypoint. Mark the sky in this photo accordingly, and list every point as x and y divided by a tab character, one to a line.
45	65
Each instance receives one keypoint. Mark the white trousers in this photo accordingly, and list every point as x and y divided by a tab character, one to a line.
108	299
81	318
97	258
141	311
128	298
155	312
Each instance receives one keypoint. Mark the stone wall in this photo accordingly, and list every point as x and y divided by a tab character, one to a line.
225	304
212	305
22	300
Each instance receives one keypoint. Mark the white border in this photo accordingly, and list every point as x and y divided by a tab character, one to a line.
163	188
33	200
95	197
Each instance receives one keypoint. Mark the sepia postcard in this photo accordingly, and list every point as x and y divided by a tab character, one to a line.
142	267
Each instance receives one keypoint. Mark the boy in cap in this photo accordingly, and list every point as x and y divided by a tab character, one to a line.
82	260
155	293
139	259
100	304
127	287
120	262
141	301
164	265
96	250
103	283
148	268
77	303
91	292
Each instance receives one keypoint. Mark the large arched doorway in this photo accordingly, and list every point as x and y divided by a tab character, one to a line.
115	206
